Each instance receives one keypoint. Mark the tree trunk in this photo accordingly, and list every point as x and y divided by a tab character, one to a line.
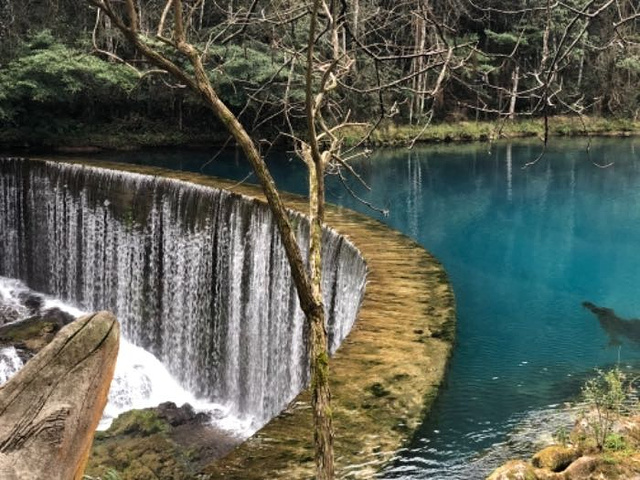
514	92
321	398
581	68
321	395
419	82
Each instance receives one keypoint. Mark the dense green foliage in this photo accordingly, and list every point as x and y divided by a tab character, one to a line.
63	68
50	86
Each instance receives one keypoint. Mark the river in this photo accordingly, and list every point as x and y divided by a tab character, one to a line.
524	247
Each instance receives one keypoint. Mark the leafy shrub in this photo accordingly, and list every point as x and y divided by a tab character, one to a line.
605	396
562	436
615	443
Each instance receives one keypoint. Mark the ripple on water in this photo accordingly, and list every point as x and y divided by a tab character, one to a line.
527	433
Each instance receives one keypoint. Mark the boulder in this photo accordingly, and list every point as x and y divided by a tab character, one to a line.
31	335
50	409
582	468
556	458
176	416
166	441
514	470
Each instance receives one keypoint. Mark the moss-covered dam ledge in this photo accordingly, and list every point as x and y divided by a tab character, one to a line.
385	374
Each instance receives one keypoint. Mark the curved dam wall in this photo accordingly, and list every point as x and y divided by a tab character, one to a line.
196	275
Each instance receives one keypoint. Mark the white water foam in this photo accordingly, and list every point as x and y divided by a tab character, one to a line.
140	379
10	363
10	306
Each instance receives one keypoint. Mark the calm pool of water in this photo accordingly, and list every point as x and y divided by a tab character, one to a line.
524	249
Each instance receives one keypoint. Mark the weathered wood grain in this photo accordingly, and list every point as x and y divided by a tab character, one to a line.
50	409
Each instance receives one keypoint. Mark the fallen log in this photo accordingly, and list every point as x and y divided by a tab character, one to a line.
50	409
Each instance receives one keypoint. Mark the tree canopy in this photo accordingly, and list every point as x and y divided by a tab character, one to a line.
414	61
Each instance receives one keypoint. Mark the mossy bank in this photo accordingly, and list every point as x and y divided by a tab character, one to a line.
115	137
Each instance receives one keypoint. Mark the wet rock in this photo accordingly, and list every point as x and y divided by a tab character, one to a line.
31	335
57	316
176	416
514	470
163	442
556	458
9	313
136	423
32	301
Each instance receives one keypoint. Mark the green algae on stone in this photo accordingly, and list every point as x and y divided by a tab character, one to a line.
137	422
555	457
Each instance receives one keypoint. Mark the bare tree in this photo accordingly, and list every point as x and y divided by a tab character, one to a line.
352	49
307	281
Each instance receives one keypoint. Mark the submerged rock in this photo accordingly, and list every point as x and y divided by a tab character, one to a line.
615	326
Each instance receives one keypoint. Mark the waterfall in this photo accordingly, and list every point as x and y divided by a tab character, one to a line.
196	275
140	380
10	363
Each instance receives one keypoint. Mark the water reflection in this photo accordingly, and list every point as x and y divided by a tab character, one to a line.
509	172
615	326
414	197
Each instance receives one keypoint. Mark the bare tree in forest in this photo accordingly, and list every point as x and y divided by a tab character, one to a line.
348	52
537	57
308	282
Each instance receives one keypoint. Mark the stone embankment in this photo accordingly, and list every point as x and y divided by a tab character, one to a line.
384	376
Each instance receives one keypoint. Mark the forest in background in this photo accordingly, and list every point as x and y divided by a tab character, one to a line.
65	71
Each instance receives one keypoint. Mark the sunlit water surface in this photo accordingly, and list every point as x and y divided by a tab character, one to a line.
523	249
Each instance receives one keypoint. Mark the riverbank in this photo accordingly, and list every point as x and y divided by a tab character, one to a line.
111	138
577	458
114	138
470	131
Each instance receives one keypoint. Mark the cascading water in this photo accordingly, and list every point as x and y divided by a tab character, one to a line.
197	276
139	380
10	363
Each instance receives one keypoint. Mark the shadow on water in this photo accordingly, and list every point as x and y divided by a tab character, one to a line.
615	326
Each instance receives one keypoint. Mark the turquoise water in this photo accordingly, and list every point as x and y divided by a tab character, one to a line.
523	248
